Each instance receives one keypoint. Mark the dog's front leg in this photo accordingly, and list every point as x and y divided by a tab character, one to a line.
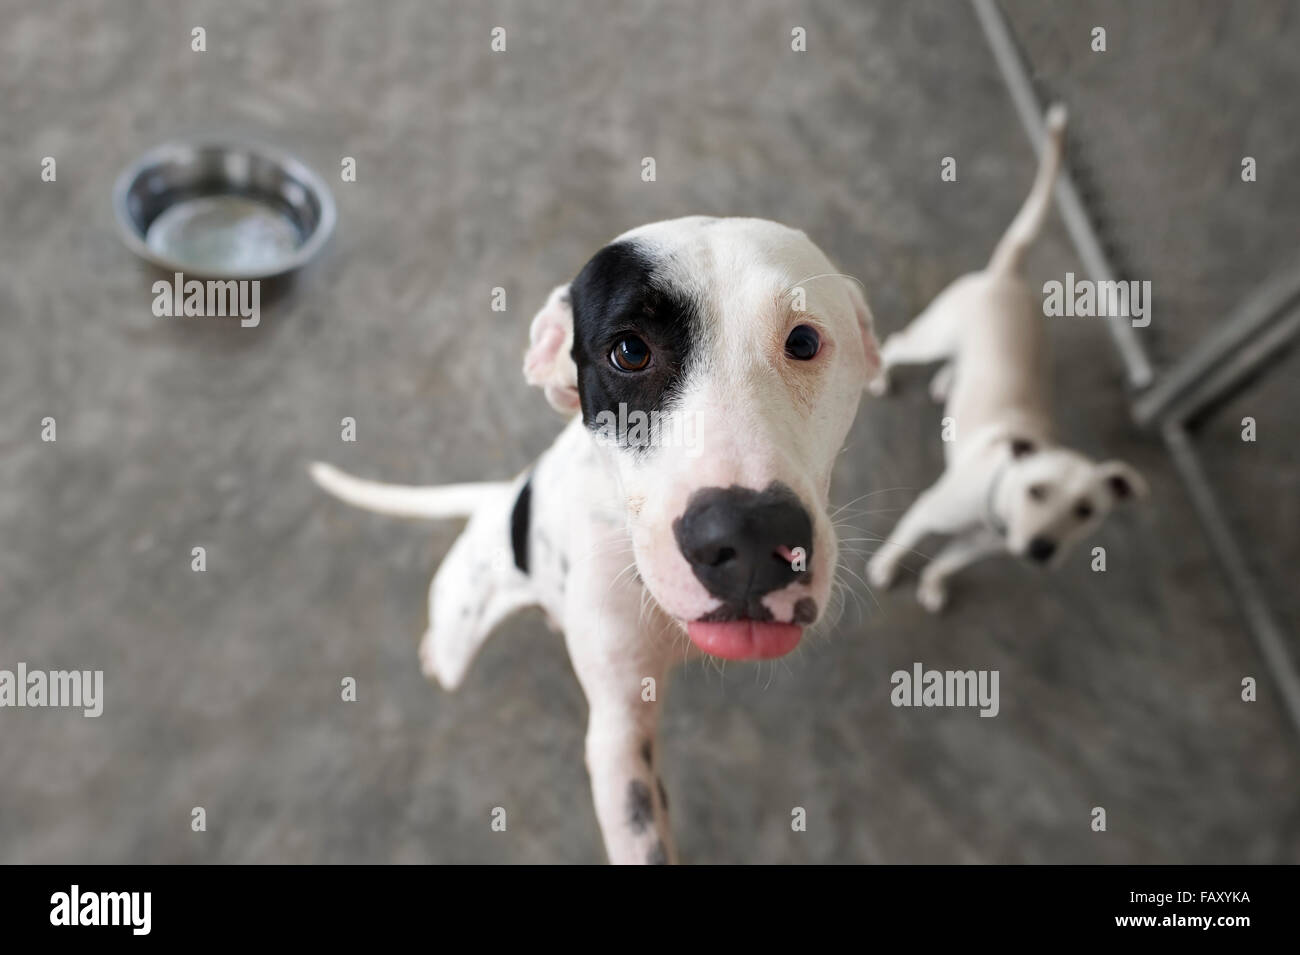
945	508
932	591
941	383
621	662
631	805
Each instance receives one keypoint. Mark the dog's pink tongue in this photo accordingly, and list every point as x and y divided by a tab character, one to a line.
745	639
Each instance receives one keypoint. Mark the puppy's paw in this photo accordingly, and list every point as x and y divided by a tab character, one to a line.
428	656
436	666
941	385
932	594
881	572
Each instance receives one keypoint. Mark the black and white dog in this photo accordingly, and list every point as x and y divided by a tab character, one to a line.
713	368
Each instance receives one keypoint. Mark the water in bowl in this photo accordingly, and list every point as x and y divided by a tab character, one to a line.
224	235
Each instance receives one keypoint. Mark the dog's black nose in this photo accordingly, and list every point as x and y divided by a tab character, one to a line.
740	542
1041	549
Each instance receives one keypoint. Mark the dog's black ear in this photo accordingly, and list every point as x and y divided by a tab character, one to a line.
1122	481
548	363
1021	447
866	326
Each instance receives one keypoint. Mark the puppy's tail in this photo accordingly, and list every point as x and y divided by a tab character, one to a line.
1024	227
432	503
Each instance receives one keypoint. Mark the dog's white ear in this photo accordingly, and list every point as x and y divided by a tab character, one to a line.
548	364
1122	481
867	326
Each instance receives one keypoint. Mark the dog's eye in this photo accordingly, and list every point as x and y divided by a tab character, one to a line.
803	343
630	354
1083	510
1038	491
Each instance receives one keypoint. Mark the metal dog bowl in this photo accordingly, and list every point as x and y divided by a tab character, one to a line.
223	210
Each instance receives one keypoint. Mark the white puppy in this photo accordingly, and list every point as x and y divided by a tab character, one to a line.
713	368
1008	488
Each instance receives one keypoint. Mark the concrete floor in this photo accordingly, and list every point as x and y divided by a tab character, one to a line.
478	170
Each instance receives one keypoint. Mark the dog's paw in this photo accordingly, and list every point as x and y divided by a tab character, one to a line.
881	572
429	657
941	385
435	665
932	594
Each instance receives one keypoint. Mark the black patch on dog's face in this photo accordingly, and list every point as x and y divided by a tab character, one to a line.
618	294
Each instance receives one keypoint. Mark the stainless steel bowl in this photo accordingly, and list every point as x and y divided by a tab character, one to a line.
223	210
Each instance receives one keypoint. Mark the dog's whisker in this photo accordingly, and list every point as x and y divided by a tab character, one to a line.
847	592
609	589
606	547
822	275
835	604
884	490
843	606
850	593
864	512
865	585
841	591
886	540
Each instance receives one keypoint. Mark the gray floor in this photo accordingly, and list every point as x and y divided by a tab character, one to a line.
478	170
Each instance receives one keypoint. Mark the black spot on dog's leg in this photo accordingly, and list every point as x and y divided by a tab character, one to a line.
805	611
640	811
658	855
648	752
663	794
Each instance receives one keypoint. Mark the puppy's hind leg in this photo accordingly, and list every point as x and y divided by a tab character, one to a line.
931	336
477	586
